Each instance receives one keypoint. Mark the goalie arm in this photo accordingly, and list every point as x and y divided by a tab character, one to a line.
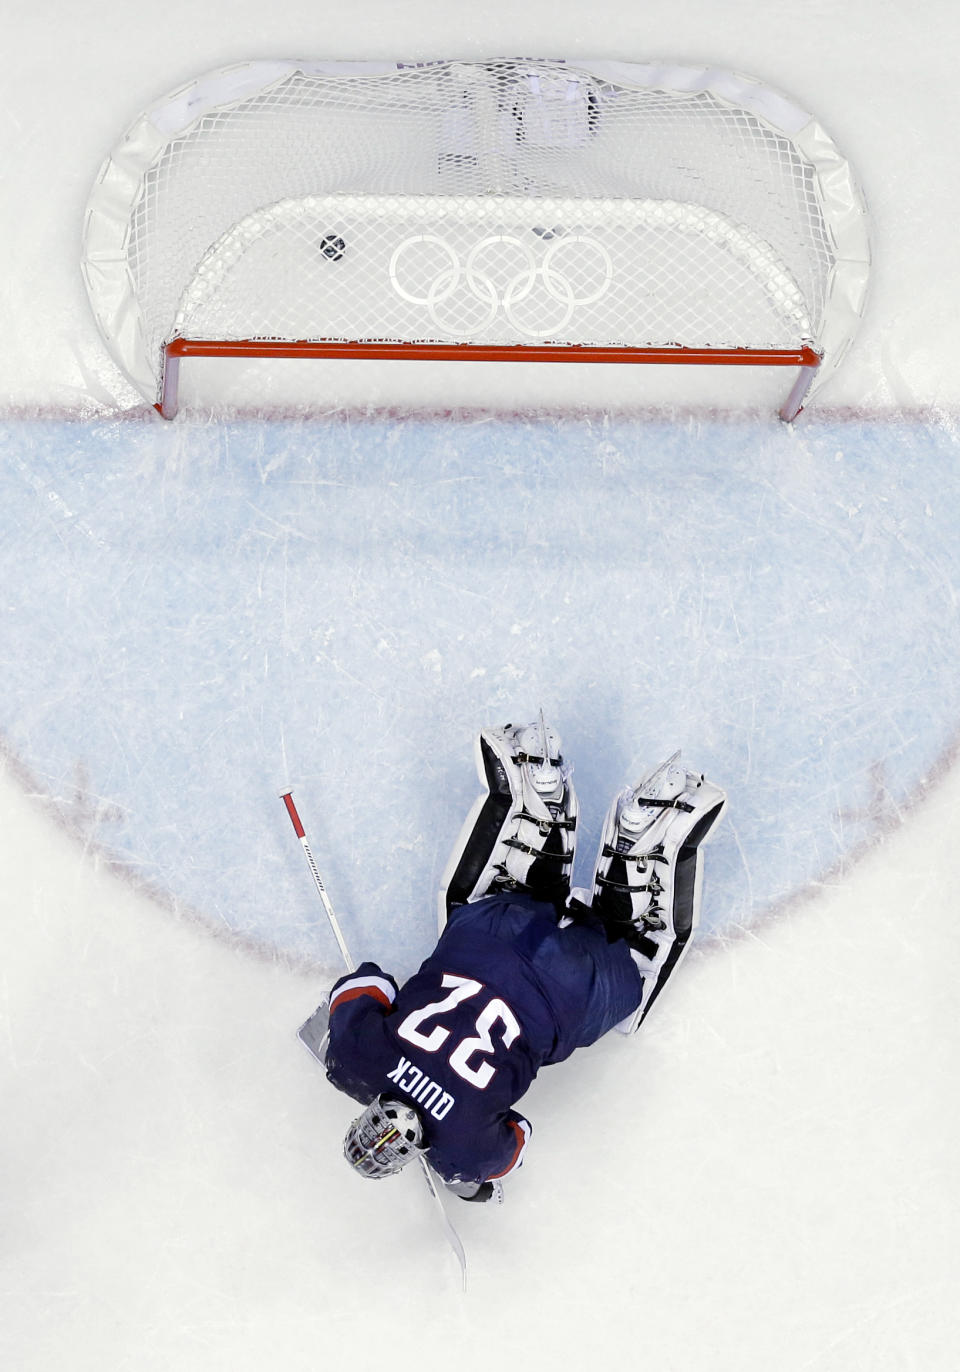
481	1160
368	983
357	1049
517	1133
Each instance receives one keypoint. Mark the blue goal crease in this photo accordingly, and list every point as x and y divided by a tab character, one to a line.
197	616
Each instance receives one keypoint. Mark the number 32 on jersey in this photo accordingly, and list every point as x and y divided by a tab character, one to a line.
464	1056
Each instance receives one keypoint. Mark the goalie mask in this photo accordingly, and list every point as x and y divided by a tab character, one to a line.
383	1139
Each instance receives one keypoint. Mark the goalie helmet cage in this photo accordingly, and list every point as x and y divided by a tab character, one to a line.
505	210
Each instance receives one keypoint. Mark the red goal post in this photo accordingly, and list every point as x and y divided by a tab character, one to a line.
480	211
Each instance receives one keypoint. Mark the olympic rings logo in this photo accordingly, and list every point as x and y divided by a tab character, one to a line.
555	281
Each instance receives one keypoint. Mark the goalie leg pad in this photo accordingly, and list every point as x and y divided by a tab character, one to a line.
520	835
648	875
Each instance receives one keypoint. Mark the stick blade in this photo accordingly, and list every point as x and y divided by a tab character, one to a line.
453	1238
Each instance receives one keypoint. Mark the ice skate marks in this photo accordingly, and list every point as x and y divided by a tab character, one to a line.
804	643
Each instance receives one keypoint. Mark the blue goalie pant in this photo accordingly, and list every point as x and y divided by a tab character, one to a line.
588	984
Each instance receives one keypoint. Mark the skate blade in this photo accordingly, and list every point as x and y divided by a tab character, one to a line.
634	814
651	785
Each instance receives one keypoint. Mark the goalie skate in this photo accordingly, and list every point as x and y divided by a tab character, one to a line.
648	874
521	834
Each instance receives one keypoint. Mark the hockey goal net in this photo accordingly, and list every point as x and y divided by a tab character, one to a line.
501	210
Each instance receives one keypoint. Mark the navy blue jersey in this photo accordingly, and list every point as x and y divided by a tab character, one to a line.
505	992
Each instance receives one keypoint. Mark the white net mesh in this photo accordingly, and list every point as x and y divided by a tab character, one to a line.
493	270
506	202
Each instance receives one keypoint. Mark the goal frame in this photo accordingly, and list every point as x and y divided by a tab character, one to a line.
113	202
806	358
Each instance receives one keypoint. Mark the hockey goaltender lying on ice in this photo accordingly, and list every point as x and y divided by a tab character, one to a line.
525	971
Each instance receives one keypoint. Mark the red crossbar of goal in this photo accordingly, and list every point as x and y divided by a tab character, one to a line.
804	357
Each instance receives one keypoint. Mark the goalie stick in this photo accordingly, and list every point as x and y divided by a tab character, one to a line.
313	1033
287	798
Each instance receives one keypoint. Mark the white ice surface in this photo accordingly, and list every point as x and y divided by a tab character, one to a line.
766	1181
